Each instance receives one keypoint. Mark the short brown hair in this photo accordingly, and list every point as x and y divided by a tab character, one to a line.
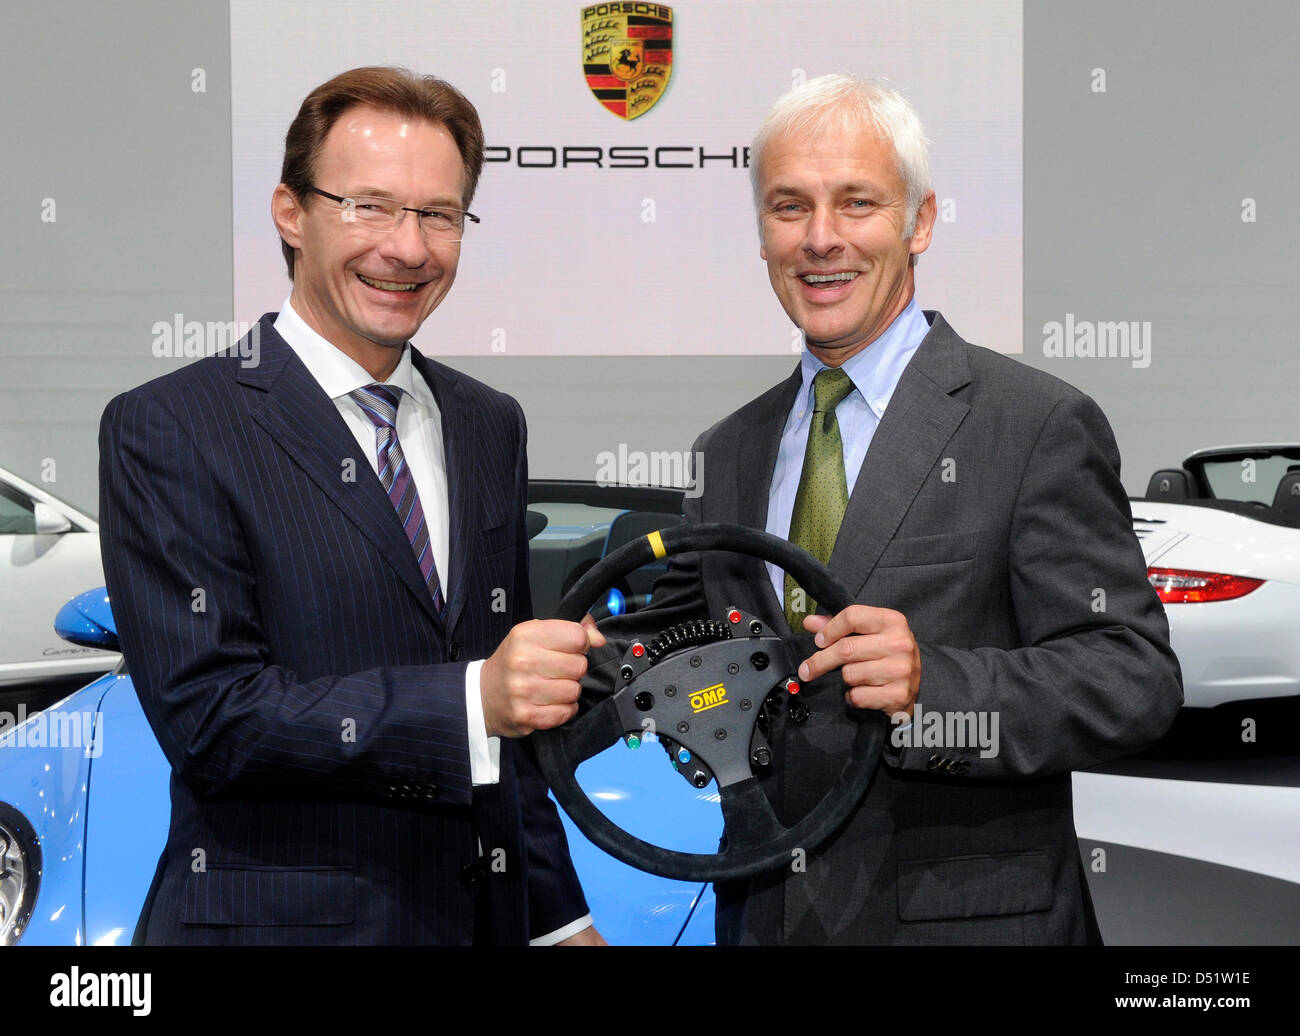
396	90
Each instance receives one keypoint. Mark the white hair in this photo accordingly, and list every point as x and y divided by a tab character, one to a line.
847	104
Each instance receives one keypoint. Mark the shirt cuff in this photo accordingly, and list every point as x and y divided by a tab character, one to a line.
560	934
484	751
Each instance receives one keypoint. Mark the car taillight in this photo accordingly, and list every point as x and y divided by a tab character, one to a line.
1184	586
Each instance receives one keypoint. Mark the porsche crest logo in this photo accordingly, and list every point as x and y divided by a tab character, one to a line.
627	54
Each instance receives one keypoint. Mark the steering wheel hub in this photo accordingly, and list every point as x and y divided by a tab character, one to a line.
700	689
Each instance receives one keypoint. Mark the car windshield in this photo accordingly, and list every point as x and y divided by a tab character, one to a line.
1250	476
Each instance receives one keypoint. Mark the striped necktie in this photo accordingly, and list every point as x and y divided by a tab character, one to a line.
823	490
379	403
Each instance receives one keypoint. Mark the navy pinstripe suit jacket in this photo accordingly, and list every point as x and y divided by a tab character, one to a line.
287	654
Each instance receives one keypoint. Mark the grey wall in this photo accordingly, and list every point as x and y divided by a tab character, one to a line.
1133	212
100	117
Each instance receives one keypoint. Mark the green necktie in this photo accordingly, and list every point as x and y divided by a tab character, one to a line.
823	492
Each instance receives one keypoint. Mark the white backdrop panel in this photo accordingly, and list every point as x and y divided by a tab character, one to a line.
567	260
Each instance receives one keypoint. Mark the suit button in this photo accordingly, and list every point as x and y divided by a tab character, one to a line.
933	763
469	873
962	766
453	651
798	712
392	791
430	791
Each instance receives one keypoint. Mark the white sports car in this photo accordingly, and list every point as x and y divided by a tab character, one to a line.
1221	537
49	552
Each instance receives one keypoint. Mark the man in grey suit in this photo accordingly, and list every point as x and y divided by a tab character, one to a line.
973	507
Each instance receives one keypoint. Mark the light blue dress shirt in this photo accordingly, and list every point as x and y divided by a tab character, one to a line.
874	372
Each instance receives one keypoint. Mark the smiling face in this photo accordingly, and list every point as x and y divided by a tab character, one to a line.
833	210
364	291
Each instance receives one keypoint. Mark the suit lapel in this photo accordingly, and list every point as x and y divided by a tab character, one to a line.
461	460
920	419
756	452
305	423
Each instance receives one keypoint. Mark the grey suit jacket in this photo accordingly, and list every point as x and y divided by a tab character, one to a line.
989	511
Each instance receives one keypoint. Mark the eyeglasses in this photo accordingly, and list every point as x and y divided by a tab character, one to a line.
385	215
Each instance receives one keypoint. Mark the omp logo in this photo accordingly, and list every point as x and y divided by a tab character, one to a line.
709	698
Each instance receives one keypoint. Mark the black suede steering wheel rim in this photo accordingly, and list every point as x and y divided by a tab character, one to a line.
756	842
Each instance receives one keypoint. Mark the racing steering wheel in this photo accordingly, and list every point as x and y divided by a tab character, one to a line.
708	690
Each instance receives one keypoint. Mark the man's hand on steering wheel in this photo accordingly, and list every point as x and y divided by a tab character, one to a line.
877	656
531	681
710	689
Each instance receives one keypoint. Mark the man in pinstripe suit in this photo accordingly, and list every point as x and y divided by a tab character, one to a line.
319	569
